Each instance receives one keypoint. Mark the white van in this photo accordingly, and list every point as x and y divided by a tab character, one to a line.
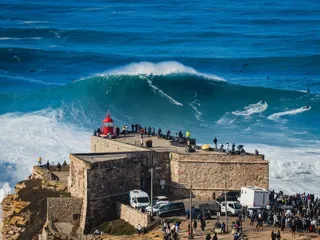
138	199
254	197
233	208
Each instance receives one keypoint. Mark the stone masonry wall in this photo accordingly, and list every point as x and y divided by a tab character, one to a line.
77	184
63	209
207	172
132	216
107	180
113	179
77	177
99	144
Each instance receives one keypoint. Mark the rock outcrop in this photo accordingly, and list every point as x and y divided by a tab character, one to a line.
24	212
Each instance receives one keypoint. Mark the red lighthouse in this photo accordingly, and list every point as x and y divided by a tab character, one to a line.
107	125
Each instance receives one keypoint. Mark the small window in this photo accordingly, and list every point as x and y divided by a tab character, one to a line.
76	216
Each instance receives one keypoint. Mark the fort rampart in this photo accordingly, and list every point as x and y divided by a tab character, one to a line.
207	173
115	167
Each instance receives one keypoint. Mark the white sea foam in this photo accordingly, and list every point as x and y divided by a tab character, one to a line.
158	69
252	109
25	137
276	116
5	189
56	34
16	57
32	22
32	80
15	38
225	120
195	104
292	169
162	93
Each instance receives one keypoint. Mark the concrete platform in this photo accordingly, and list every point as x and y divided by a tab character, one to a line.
159	144
92	158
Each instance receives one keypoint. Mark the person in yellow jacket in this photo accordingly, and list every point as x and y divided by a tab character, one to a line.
187	134
39	161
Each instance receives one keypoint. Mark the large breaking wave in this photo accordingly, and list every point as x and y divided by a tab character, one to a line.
56	121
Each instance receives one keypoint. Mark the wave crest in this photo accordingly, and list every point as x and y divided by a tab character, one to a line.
276	116
158	69
252	109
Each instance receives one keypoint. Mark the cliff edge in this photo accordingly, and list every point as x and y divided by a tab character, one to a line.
24	212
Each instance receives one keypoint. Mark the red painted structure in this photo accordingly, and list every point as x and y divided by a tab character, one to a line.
107	125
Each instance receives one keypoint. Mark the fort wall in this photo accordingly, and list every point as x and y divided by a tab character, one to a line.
67	209
77	184
99	144
207	172
133	216
106	176
102	183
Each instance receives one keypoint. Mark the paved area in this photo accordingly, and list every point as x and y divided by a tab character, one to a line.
249	232
100	157
159	144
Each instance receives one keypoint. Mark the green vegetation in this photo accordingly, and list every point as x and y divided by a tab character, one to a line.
64	193
117	227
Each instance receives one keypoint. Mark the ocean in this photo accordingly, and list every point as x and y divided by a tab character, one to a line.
240	71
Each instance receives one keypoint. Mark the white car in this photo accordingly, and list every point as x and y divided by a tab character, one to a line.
156	207
159	198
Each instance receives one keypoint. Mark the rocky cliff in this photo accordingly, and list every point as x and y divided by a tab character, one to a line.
24	212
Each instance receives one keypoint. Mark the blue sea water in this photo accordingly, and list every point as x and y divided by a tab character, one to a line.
201	66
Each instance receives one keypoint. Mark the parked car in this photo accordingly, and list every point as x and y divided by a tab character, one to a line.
172	209
156	207
159	198
197	213
231	196
213	208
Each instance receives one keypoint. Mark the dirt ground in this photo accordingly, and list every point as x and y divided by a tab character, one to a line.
249	232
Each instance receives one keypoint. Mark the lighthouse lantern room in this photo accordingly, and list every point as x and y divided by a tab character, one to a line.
107	125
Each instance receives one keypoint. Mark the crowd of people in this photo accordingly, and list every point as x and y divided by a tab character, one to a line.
170	232
179	137
47	165
299	212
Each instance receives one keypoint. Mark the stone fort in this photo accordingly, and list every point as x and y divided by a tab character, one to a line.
116	166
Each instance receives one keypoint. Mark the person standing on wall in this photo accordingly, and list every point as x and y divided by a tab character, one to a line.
39	161
215	141
188	135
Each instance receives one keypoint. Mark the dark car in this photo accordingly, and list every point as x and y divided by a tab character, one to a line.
172	209
211	208
231	196
197	213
